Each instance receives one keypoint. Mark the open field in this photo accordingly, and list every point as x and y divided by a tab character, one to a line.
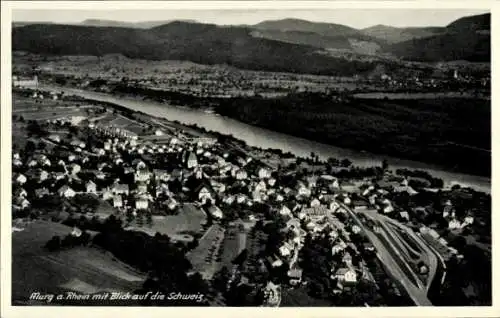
181	227
234	243
80	269
204	257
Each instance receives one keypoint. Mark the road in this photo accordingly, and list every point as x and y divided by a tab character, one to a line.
394	261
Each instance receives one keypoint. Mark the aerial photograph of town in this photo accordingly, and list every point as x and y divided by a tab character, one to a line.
268	158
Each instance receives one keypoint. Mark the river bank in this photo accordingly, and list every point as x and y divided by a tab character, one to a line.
267	139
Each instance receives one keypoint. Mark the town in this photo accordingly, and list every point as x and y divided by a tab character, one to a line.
257	227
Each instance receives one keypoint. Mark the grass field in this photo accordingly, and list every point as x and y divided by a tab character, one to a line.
204	257
81	269
189	221
234	243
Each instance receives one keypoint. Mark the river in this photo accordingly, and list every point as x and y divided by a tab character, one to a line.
264	138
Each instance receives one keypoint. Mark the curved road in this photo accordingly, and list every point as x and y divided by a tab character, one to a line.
393	259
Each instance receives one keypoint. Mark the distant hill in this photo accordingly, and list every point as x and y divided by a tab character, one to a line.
284	45
396	35
121	24
464	39
16	24
321	41
480	22
199	43
326	29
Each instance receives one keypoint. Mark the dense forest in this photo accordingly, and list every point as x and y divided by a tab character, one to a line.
454	132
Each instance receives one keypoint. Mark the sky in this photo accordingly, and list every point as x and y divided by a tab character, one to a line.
357	18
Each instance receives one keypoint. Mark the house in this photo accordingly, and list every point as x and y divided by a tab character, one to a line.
302	190
117	201
172	204
285	210
17	163
91	187
315	202
21	193
192	161
205	192
42	175
75	168
22	203
161	174
469	220
159	132
355	229
347	258
241	198
142	188
334	206
32	163
41	192
141	203
107	194
286	249
271	182
346	275
261	186
120	189
66	191
454	224
139	164
404	215
264	173
21	179
295	276
142	175
215	212
71	158
337	248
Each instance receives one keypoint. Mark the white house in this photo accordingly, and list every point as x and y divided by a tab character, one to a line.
204	194
91	187
315	202
107	194
302	190
285	210
454	224
264	173
286	249
117	201
141	203
334	206
159	132
192	161
142	175
241	174
120	189
346	275
261	186
66	191
75	168
21	179
355	229
271	182
337	248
